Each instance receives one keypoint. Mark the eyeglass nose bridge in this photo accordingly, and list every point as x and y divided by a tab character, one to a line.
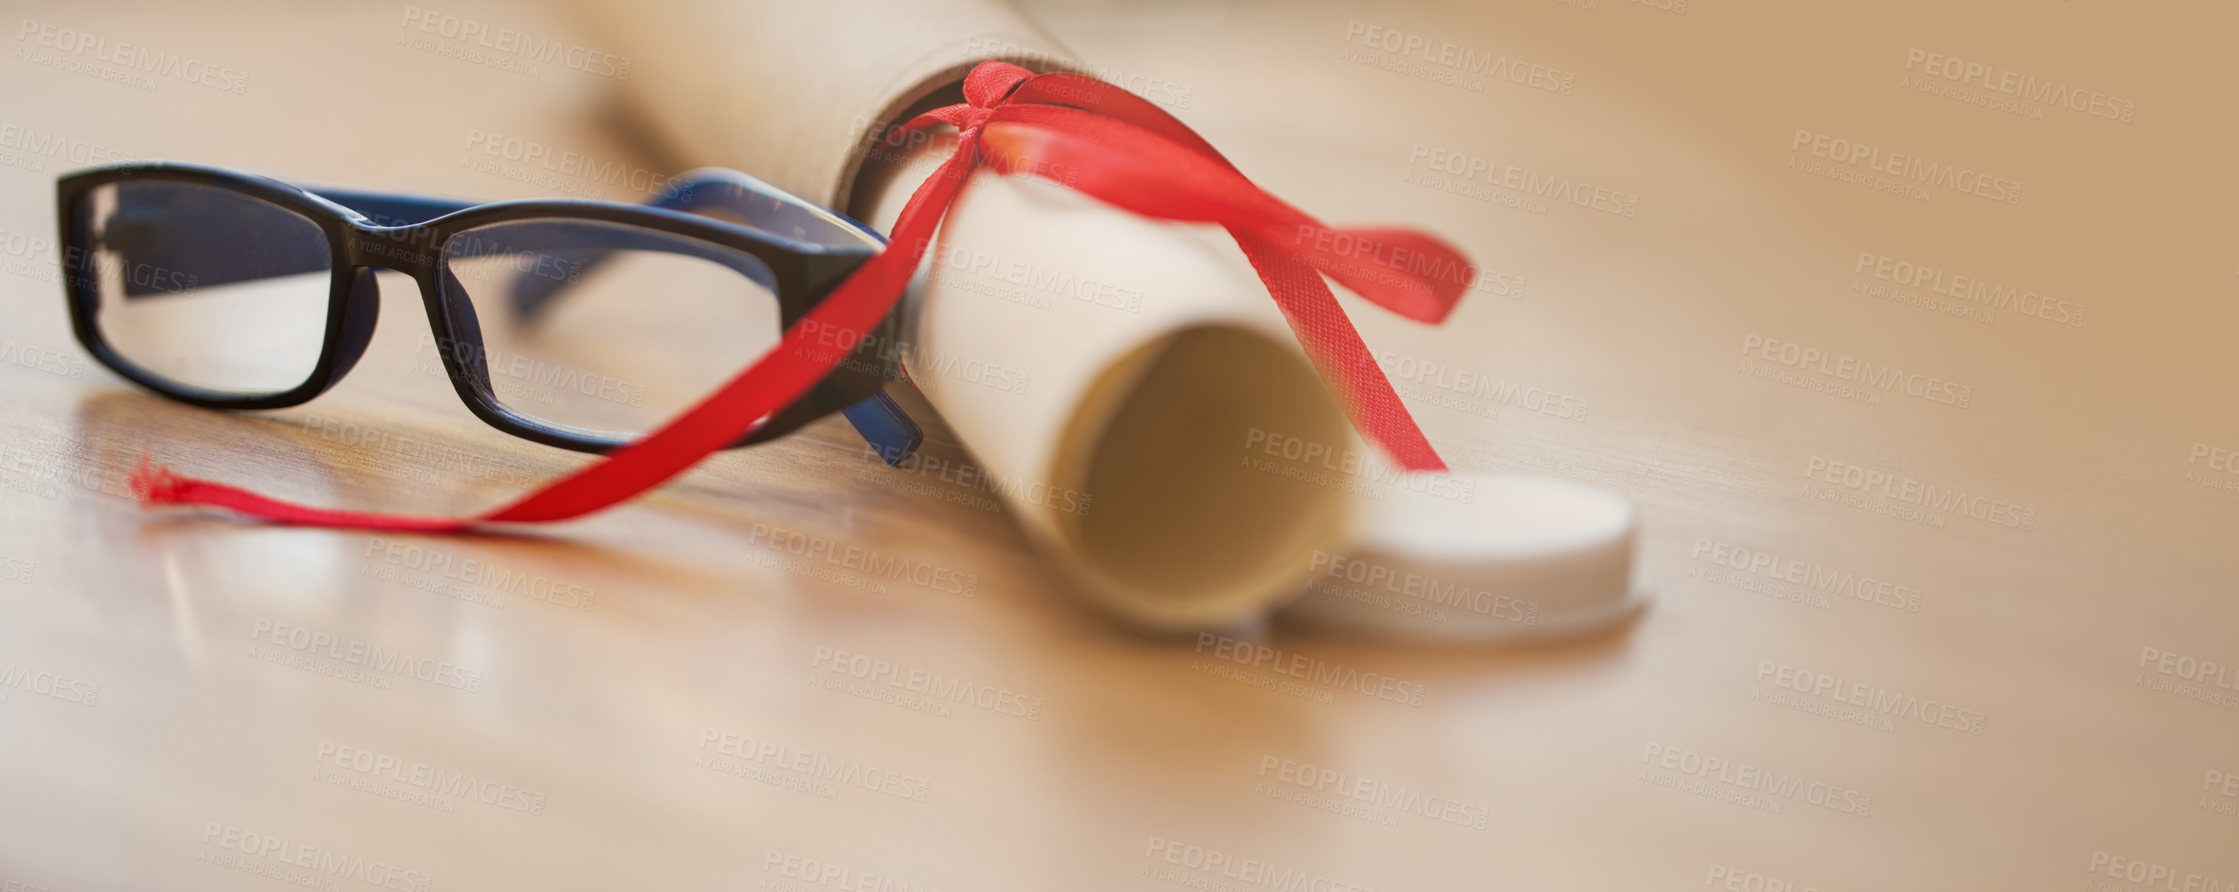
415	251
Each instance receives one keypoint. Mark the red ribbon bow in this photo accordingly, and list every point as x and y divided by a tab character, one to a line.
1113	145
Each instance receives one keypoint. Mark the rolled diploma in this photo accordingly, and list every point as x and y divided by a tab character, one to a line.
1120	436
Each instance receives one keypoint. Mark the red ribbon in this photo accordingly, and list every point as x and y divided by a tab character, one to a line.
1111	144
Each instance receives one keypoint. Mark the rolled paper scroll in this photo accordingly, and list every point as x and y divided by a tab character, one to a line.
1144	388
1116	378
1131	392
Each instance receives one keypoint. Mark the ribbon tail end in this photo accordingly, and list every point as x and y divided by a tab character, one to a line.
152	484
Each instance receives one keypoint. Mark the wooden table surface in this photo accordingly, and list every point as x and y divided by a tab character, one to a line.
2028	687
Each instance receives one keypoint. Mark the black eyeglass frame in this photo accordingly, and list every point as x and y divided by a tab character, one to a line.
804	273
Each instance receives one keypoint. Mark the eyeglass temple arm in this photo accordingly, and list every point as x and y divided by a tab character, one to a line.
725	195
718	193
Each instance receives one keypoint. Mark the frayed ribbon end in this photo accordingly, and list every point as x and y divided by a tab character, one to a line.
153	484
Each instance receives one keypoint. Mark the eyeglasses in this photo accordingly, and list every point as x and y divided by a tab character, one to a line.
578	324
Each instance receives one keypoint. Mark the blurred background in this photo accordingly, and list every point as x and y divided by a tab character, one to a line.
1842	684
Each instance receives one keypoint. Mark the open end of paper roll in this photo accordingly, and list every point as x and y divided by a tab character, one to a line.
1186	530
